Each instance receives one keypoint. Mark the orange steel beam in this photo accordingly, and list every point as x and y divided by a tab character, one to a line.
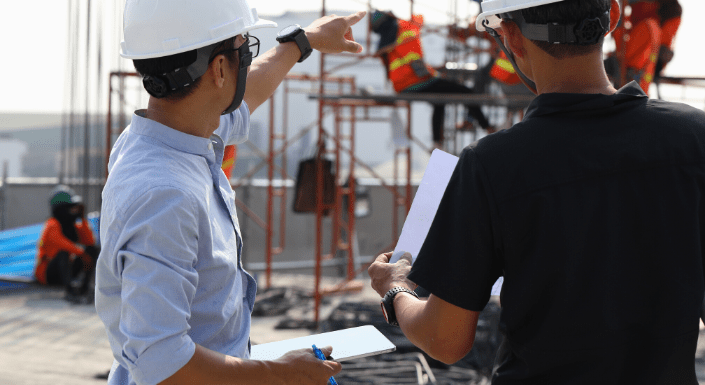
270	196
351	194
319	187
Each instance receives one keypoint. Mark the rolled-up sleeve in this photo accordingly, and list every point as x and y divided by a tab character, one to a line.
156	264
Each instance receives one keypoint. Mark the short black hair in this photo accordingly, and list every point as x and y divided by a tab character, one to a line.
567	12
161	65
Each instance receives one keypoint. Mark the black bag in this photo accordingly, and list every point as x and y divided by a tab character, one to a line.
305	194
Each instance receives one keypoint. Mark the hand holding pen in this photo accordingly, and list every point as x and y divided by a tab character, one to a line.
301	367
319	354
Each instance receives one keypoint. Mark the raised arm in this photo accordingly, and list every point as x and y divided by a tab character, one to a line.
329	34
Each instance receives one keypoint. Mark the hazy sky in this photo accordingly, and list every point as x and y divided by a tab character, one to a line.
34	40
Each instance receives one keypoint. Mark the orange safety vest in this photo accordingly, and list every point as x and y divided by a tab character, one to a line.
504	71
229	160
405	65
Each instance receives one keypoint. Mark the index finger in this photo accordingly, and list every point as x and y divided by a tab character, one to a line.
355	17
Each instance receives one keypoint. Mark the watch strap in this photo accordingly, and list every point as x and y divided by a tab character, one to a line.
388	303
298	37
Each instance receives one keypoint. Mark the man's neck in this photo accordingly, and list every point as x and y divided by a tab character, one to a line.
184	115
577	75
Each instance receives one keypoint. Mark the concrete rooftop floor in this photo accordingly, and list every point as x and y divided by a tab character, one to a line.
46	340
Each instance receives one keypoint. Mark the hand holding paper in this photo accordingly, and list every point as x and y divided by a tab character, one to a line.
385	275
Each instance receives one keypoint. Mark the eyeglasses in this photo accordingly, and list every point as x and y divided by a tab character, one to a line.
254	47
244	49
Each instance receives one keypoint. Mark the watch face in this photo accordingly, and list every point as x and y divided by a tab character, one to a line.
288	30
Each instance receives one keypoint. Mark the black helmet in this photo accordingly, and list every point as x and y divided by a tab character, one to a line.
64	195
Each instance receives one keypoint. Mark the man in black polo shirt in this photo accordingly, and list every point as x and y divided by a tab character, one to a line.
592	208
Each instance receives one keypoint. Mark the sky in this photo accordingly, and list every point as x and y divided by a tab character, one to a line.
34	38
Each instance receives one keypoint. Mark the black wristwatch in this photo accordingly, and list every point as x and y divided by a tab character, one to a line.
388	304
296	34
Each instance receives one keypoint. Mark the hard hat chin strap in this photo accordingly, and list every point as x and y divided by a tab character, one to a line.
245	60
528	82
240	90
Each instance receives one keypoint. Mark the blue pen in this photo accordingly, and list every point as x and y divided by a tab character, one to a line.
320	356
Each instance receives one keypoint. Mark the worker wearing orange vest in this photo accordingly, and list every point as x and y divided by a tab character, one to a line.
66	250
401	52
649	47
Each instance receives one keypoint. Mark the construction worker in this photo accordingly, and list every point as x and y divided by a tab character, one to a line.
590	208
401	53
170	285
66	250
649	47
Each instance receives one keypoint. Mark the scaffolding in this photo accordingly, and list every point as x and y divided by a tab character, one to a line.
338	103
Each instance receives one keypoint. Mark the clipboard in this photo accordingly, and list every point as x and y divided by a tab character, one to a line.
348	344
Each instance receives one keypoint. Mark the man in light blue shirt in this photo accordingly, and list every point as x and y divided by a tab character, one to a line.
170	287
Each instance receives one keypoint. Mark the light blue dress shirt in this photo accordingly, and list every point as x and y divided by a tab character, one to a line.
169	273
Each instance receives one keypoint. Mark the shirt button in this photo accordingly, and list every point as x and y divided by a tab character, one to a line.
210	146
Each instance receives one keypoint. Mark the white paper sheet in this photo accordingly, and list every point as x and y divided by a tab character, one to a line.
424	207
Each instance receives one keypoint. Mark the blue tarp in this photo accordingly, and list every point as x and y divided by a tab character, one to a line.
18	249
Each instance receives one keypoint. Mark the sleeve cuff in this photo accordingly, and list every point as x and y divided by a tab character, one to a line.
152	367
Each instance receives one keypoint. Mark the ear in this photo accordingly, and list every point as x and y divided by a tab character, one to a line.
216	69
615	14
513	38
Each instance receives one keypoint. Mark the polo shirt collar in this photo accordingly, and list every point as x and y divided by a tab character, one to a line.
170	137
546	104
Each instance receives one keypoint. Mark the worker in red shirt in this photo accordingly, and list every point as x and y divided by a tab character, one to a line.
649	46
67	252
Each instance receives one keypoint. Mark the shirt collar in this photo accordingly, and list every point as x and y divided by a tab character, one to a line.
170	137
545	104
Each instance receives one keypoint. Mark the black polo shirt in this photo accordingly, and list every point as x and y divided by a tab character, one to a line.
593	210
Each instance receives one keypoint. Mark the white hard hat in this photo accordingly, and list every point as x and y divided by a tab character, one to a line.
157	28
492	8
